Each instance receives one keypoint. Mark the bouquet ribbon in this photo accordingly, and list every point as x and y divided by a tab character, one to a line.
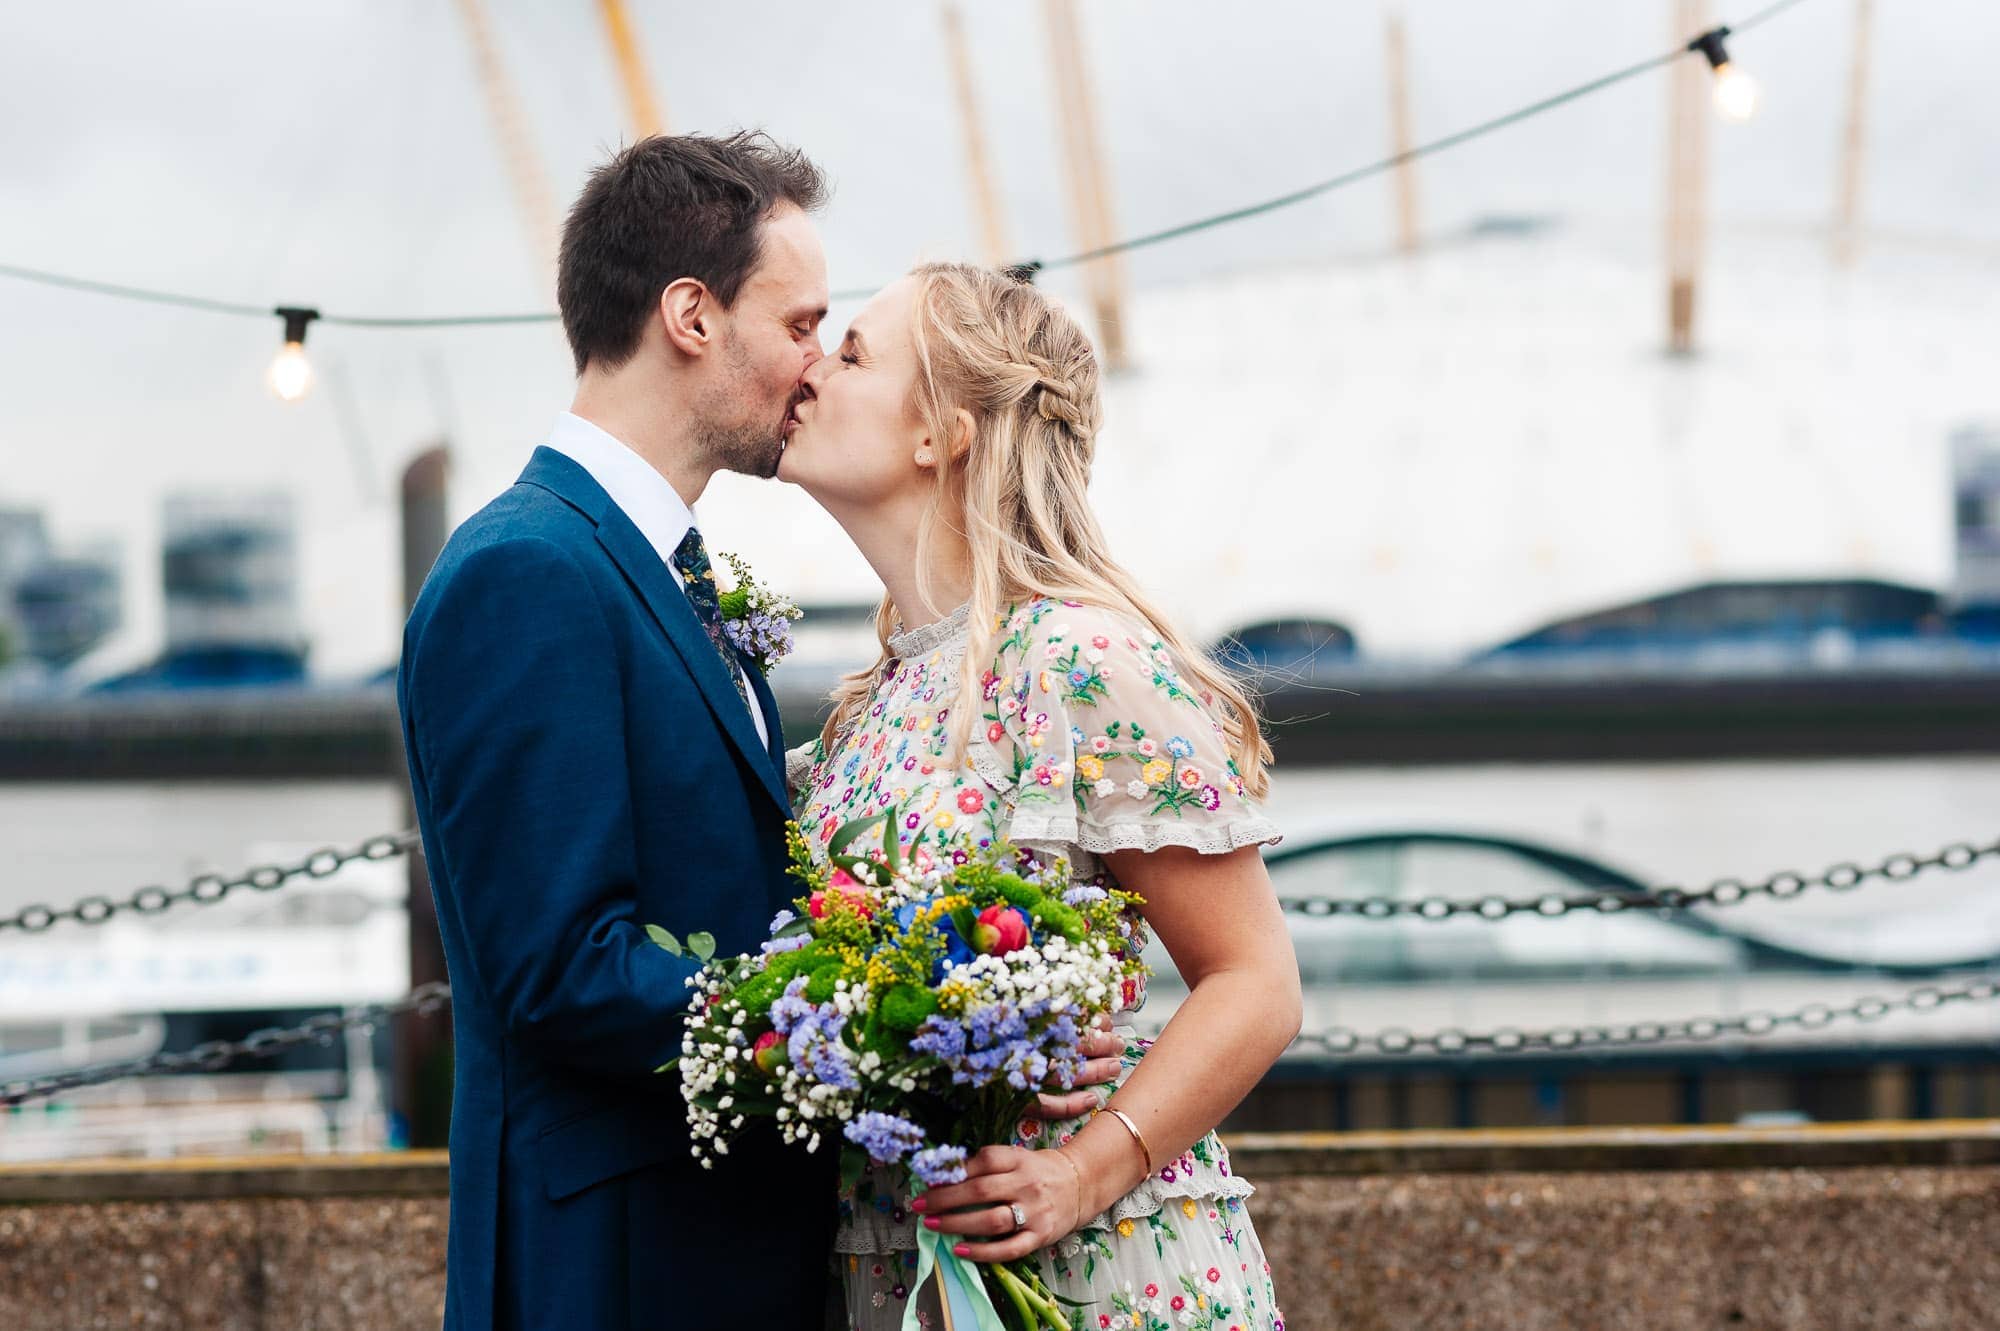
967	1305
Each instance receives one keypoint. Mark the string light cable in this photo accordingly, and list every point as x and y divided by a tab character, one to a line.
290	375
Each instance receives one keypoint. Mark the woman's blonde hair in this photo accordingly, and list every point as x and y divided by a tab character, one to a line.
1026	372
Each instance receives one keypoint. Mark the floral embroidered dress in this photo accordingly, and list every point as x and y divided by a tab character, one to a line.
1086	740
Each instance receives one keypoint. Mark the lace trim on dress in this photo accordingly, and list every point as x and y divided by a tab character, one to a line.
989	766
799	764
1146	834
927	638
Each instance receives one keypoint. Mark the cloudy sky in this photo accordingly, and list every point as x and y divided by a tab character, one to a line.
340	154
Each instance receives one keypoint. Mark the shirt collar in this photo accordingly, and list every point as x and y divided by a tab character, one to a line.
645	496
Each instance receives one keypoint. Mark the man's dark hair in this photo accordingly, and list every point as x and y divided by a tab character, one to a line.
665	208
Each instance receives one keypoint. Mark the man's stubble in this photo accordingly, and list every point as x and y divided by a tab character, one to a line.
751	447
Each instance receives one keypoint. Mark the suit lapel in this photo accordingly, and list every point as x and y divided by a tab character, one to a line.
650	578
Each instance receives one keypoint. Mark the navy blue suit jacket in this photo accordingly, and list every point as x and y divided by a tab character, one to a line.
582	768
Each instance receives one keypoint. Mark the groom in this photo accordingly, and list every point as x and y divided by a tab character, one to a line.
590	756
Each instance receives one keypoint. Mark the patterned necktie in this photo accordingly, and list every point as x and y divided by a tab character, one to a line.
691	558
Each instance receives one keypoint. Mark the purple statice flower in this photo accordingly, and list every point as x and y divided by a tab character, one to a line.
791	1007
759	634
941	1038
939	1165
1080	896
773	946
781	919
816	1046
885	1137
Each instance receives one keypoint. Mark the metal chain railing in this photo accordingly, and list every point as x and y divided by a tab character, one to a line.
1569	1039
1449	1041
1842	877
208	888
218	1054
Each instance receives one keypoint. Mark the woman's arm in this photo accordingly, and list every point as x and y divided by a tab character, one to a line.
1219	919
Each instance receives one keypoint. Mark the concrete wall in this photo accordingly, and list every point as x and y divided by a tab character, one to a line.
1826	1228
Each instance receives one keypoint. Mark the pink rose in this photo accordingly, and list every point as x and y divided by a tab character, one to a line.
1000	930
769	1053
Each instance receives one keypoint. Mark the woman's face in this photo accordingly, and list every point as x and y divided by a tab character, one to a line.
854	439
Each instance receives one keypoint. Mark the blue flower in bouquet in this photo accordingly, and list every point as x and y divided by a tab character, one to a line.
1084	895
957	952
940	1037
885	1137
813	1037
939	1165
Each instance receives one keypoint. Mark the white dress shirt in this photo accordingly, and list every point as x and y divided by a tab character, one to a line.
646	497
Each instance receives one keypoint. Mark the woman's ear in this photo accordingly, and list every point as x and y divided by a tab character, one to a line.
686	312
961	441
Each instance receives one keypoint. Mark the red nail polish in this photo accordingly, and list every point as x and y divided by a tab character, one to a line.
961	1250
918	1205
931	1222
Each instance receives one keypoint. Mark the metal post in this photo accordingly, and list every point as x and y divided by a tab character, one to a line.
978	164
422	1064
1400	135
1687	176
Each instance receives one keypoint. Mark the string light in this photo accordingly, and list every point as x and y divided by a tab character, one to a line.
291	375
1735	91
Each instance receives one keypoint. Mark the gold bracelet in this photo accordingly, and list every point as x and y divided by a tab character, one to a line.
1080	1217
1133	1128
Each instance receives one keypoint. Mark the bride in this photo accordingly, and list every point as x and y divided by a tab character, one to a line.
1028	690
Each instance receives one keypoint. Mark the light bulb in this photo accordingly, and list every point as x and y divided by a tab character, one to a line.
290	375
1735	93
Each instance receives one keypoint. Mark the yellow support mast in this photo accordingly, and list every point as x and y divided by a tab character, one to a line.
647	116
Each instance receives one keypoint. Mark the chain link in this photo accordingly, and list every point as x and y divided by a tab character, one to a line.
208	888
218	1054
1339	1040
1842	877
1564	1039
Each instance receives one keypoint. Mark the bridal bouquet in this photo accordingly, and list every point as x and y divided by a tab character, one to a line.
911	1007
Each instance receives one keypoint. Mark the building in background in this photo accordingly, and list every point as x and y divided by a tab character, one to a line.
24	543
1975	581
229	571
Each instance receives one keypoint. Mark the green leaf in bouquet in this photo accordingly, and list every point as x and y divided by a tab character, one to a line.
845	835
669	1065
800	924
892	849
702	945
963	919
664	939
853	1164
858	867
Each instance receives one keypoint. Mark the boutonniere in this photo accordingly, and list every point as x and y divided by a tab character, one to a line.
756	619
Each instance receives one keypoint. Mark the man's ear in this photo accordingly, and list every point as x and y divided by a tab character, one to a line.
687	311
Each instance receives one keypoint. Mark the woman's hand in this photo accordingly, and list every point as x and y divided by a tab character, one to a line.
1048	1189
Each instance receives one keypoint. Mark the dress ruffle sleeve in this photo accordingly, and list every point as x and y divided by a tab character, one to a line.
1093	739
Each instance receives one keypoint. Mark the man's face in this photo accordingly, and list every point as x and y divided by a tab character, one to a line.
771	338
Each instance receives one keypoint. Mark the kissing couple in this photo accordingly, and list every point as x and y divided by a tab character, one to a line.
592	751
